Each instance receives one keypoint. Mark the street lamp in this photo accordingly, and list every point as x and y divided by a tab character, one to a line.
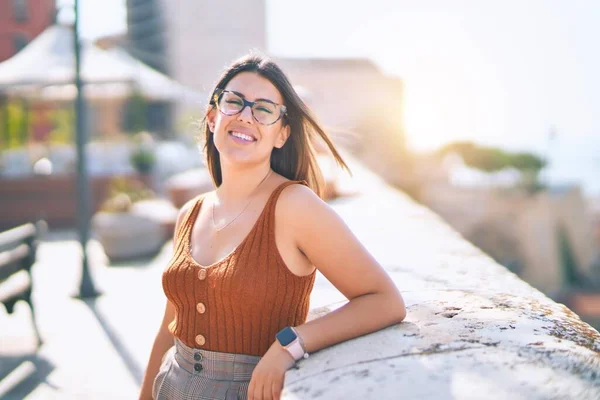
86	287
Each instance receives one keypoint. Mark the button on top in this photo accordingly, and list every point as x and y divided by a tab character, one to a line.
202	274
197	367
197	356
201	308
200	340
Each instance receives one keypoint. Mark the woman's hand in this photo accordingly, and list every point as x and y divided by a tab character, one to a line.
269	373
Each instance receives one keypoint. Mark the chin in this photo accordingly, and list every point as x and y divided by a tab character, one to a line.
235	155
242	158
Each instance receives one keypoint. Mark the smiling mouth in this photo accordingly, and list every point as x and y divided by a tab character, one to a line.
242	136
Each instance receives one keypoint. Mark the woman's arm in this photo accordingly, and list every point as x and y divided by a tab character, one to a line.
164	339
374	301
162	343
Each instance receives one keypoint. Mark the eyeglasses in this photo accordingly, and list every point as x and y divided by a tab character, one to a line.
264	111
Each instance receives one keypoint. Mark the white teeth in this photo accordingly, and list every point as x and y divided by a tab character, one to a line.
242	136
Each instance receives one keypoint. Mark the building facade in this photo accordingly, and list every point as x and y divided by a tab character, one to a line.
204	36
146	33
21	21
352	97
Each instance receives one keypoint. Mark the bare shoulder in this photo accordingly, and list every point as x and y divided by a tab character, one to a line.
295	195
186	208
300	204
313	226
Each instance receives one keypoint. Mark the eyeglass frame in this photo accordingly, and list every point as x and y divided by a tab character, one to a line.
247	103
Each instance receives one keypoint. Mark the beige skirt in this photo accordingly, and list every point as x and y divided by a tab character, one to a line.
188	373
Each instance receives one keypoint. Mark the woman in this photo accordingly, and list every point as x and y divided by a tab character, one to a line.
246	254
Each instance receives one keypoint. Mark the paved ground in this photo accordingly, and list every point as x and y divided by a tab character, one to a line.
92	349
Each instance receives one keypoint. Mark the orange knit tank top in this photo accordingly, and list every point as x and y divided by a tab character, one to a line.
238	304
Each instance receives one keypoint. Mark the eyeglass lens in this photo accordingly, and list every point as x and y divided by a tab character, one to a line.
263	111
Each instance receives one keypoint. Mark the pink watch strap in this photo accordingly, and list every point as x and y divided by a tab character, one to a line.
295	349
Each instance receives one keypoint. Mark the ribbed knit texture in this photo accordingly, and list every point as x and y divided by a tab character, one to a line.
249	295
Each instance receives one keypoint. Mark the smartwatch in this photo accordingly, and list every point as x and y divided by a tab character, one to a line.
288	339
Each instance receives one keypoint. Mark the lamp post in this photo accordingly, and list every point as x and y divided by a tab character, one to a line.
86	287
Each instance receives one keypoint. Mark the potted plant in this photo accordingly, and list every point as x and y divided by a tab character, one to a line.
123	233
143	157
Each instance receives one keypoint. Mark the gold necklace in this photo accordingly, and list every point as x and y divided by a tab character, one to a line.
244	209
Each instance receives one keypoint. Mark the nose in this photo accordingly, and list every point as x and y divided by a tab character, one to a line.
246	114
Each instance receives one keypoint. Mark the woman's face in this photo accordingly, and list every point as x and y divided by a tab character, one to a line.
239	138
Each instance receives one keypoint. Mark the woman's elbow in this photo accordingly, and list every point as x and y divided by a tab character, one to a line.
396	307
400	309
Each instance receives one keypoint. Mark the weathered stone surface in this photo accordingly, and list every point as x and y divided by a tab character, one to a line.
474	330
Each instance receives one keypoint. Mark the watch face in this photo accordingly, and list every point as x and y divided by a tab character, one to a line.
286	336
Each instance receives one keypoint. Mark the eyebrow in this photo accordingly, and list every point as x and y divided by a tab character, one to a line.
260	99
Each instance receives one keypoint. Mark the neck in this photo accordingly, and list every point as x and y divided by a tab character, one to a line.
240	183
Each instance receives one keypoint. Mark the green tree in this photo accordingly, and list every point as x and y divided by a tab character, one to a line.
567	260
492	159
135	113
63	120
527	161
16	124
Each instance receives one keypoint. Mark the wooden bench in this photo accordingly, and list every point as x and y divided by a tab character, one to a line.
17	256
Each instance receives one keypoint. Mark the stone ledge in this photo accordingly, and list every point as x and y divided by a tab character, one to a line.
473	330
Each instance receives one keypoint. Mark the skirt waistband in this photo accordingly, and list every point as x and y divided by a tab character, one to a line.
215	365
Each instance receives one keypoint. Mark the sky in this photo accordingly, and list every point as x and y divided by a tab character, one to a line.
476	69
502	73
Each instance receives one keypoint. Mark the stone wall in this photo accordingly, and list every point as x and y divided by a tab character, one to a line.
474	330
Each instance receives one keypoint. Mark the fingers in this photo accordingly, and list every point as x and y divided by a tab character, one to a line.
266	392
256	388
252	388
276	386
265	387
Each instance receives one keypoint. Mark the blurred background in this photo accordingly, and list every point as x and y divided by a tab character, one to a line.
484	112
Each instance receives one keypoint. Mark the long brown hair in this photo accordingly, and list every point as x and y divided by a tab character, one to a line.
296	160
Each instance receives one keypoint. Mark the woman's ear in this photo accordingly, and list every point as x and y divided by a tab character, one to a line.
283	136
211	116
